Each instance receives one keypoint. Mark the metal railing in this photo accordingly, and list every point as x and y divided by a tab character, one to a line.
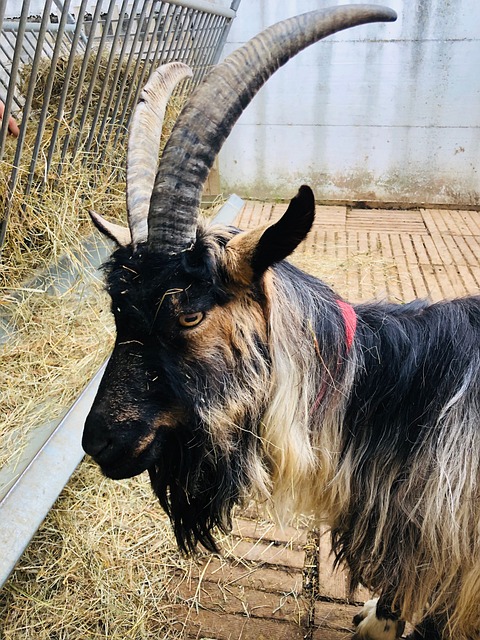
103	60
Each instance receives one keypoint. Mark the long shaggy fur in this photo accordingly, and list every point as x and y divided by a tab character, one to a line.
391	458
380	439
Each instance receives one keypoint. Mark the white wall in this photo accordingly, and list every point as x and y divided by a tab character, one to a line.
383	111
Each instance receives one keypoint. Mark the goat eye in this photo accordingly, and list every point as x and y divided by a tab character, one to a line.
191	319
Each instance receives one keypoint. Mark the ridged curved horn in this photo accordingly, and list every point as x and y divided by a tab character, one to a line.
210	114
144	143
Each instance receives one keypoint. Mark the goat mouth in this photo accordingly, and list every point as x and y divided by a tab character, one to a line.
119	471
121	465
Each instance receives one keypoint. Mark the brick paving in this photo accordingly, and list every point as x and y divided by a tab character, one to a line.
279	584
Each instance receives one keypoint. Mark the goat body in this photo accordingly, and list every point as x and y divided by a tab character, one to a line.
235	373
389	457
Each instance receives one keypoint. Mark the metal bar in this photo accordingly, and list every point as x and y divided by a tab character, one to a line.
66	85
200	47
205	7
76	99
140	81
198	37
50	43
177	35
127	106
182	37
91	86
151	40
12	83
8	107
222	40
210	45
30	50
15	99
201	68
157	35
3	5
176	17
188	33
46	98
116	78
7	38
25	117
105	85
116	107
70	18
8	54
214	46
12	26
162	36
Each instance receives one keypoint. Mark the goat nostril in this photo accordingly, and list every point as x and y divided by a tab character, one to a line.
94	439
93	445
96	447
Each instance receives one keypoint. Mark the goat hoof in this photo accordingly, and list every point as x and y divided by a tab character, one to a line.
369	627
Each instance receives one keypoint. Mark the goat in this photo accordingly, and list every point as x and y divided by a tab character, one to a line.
235	373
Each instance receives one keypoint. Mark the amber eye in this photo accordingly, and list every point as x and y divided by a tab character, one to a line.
191	319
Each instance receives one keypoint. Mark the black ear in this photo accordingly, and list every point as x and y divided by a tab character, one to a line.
120	235
280	239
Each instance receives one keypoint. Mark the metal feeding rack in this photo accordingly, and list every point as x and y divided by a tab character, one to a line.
125	40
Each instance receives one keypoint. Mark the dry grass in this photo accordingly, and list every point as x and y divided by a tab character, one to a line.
101	566
58	345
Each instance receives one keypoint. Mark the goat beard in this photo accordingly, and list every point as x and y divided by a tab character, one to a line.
198	484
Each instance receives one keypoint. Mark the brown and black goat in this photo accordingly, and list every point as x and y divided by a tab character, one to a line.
235	373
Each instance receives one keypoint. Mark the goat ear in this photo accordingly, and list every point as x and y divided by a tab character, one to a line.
251	253
120	235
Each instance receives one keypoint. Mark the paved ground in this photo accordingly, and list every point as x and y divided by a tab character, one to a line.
279	584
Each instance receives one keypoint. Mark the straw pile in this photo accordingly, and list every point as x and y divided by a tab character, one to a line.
101	566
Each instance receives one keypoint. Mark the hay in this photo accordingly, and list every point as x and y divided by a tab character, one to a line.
101	566
57	346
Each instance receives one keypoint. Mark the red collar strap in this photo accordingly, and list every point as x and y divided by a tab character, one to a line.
350	320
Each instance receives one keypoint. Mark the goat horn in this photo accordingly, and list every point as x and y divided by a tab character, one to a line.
144	143
213	109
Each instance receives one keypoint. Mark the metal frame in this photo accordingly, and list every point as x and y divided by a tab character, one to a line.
156	31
